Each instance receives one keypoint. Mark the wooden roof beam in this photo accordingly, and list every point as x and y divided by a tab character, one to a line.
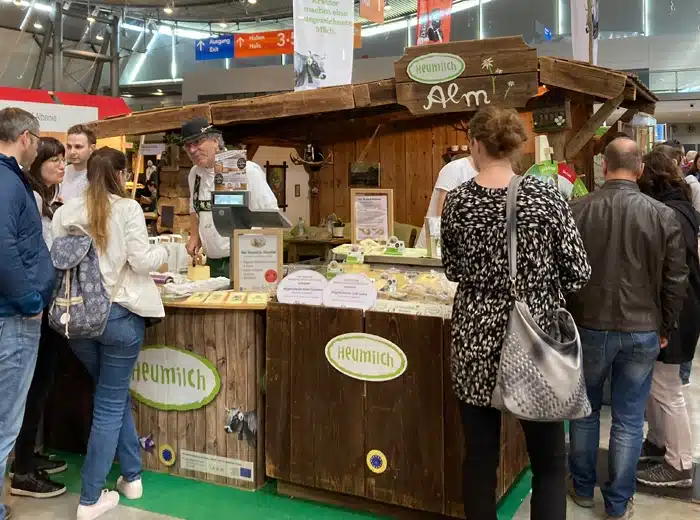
581	77
149	121
588	131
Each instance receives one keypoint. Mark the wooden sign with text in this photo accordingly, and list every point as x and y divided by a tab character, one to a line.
465	76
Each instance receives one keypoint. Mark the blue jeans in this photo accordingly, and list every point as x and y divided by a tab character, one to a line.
110	360
19	344
631	356
685	372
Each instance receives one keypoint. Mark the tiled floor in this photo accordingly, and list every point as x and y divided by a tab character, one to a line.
647	507
64	508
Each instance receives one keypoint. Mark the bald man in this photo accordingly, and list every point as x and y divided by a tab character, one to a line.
624	315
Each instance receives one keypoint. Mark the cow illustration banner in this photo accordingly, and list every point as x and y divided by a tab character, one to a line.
579	30
434	21
372	10
323	43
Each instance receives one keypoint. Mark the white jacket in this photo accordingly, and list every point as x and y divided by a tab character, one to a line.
695	190
127	244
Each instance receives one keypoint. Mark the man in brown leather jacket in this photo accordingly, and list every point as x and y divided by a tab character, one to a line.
624	315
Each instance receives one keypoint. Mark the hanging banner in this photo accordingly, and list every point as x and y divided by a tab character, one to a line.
579	30
372	10
434	21
323	43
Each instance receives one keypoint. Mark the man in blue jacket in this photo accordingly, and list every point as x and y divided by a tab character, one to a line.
26	275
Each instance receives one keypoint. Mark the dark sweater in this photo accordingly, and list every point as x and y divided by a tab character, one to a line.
682	342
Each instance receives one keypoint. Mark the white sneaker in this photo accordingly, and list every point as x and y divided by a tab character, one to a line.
108	501
131	490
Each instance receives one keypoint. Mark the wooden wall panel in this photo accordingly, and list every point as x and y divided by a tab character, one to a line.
326	193
419	176
392	157
232	342
415	472
327	425
344	153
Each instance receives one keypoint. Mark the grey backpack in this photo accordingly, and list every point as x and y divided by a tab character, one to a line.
81	303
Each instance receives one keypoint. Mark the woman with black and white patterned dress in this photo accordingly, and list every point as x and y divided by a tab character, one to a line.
551	262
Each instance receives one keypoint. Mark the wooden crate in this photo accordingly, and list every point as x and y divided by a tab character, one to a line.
321	424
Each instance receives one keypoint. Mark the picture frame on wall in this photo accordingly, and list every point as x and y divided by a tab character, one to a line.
372	214
276	175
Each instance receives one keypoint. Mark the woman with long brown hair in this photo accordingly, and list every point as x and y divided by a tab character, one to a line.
118	230
30	470
669	443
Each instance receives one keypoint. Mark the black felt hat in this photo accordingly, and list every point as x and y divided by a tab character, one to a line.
197	128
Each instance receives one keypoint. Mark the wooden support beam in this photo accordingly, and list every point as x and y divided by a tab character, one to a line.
605	139
591	127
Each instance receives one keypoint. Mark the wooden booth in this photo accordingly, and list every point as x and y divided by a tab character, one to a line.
322	429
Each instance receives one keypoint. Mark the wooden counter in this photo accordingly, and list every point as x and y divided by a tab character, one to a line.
232	341
321	424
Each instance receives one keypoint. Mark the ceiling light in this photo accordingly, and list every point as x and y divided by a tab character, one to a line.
37	25
160	91
18	3
252	1
91	19
168	10
127	95
222	25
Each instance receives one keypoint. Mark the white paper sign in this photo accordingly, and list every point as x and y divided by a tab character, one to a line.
55	118
350	291
302	287
213	465
323	43
257	262
151	149
371	217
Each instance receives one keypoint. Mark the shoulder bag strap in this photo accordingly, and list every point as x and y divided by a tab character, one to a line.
512	229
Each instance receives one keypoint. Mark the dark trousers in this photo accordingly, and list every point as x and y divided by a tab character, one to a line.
546	447
38	391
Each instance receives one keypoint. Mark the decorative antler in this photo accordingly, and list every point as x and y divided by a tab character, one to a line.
461	127
294	157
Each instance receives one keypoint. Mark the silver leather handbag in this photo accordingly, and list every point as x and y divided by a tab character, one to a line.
540	376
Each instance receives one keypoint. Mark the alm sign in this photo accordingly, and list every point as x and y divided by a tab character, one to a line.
167	378
434	68
366	357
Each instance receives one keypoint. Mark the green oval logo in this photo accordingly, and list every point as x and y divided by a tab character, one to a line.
168	378
435	68
366	357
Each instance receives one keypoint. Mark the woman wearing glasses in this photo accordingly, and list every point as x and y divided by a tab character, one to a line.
30	470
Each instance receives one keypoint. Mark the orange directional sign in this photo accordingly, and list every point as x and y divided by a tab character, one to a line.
271	43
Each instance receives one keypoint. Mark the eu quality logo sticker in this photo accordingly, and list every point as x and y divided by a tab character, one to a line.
376	462
366	357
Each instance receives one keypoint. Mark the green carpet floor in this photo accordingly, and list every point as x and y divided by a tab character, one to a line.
192	500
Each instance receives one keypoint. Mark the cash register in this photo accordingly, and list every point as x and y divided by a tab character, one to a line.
231	211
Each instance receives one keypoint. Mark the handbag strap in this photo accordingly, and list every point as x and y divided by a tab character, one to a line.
512	230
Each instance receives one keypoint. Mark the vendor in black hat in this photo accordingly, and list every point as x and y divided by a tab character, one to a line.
202	142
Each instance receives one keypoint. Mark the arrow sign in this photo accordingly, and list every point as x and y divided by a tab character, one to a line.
240	41
215	48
